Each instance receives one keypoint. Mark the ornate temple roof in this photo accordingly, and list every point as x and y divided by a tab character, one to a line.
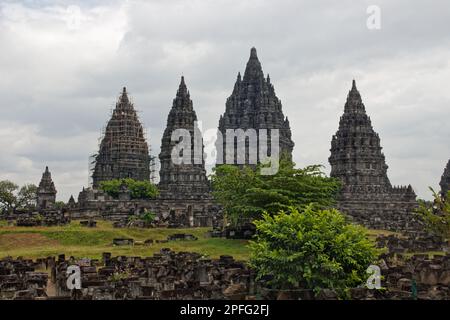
253	104
46	184
188	178
356	153
123	151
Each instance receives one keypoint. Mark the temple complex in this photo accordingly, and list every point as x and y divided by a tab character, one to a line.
123	150
184	199
445	180
253	104
357	160
46	191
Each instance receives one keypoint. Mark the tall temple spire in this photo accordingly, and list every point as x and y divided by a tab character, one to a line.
445	180
253	71
124	101
357	142
182	92
354	102
358	161
185	180
123	151
46	191
253	104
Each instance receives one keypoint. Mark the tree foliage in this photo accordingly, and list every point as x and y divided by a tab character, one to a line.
436	214
26	196
138	189
246	194
11	197
313	249
148	216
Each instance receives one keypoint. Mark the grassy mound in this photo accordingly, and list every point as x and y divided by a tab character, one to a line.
78	241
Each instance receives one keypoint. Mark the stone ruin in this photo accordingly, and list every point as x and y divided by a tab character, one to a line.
149	242
49	219
168	275
412	243
165	276
367	195
88	223
190	212
19	279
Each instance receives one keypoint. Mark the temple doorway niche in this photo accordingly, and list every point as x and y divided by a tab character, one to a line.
172	215
190	215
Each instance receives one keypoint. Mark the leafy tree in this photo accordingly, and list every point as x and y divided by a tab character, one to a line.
111	187
59	205
11	197
245	194
436	214
7	195
313	249
27	196
142	189
138	189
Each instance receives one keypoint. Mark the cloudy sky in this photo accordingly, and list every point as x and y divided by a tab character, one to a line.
63	64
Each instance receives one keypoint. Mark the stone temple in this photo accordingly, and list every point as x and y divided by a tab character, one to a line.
253	104
46	191
123	150
445	180
187	179
184	199
357	160
184	188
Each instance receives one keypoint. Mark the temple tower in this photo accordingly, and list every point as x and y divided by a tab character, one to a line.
46	191
253	104
358	161
123	150
445	180
187	178
356	156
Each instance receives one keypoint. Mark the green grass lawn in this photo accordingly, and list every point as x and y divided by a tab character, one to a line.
75	240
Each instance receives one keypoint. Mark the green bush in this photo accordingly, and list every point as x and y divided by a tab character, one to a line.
138	189
148	216
245	194
436	214
313	249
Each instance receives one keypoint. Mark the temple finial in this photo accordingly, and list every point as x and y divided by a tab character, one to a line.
354	84
124	97
253	53
182	89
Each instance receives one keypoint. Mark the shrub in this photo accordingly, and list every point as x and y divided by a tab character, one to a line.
138	189
313	249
